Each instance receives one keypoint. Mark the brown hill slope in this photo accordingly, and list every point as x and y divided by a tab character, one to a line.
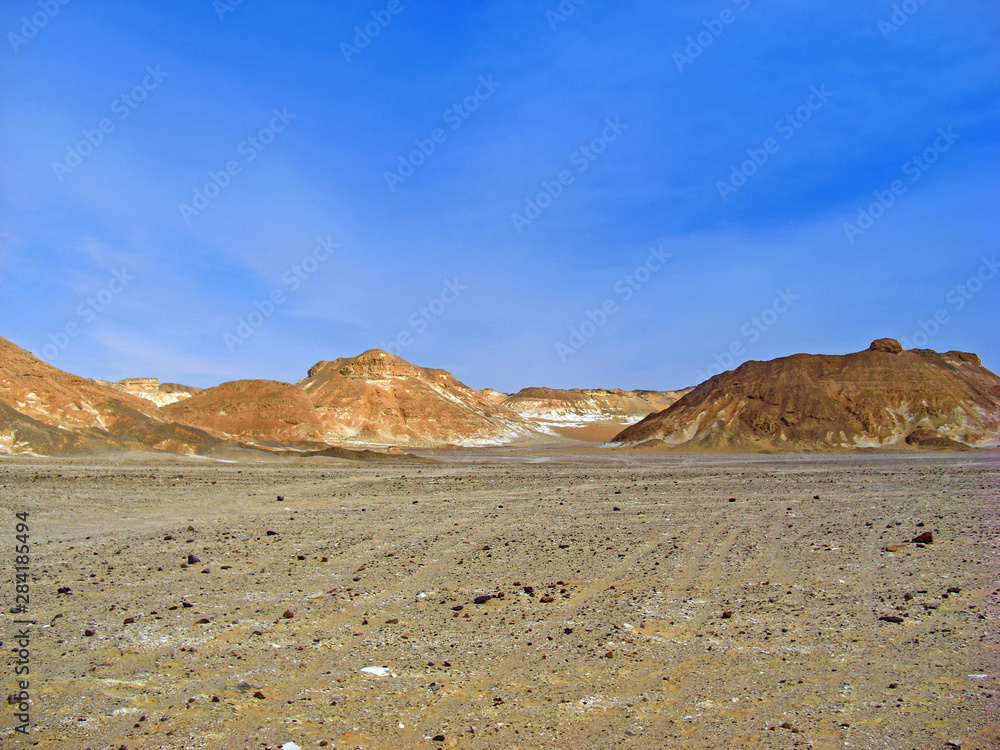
879	397
589	405
47	411
378	398
261	409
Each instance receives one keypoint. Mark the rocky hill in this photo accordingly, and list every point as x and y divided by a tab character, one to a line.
589	405
883	396
46	411
378	398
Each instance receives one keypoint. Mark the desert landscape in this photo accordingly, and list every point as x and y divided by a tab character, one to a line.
797	553
499	375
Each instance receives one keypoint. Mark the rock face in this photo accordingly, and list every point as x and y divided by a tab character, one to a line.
886	345
252	410
879	397
378	398
46	411
151	389
589	405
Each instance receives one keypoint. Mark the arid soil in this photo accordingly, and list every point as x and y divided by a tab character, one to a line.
516	600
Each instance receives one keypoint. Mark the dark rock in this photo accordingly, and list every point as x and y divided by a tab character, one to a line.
271	533
288	614
438	738
547	599
128	621
281	498
88	632
886	345
926	538
193	559
203	621
891	618
259	695
727	614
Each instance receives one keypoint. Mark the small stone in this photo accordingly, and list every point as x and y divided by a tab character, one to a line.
187	605
271	533
203	621
281	498
128	621
259	695
438	738
482	599
392	621
529	589
193	559
891	618
954	589
727	614
926	538
732	499
64	590
547	599
88	632
458	608
288	614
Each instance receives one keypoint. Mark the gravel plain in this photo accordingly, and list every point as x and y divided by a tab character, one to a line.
510	599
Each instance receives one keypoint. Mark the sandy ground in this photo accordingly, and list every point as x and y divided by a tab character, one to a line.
610	576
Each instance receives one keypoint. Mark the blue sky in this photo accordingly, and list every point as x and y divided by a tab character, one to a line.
478	186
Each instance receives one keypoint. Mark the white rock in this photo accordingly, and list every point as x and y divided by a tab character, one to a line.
377	671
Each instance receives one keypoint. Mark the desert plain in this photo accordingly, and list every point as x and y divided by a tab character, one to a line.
510	599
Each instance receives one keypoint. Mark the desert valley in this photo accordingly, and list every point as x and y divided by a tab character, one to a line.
796	553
